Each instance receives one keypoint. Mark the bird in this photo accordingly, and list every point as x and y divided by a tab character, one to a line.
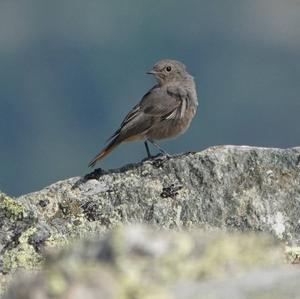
165	111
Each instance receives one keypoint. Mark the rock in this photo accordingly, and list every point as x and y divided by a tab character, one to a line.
257	284
232	188
16	223
139	262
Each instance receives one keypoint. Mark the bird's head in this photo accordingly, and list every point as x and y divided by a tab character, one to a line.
168	70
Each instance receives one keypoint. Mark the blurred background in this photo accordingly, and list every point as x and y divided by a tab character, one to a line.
71	70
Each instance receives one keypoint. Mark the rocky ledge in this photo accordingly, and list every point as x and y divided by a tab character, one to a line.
228	188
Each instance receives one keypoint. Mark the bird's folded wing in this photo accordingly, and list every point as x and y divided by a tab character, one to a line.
163	103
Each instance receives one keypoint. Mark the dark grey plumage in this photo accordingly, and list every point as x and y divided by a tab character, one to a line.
165	111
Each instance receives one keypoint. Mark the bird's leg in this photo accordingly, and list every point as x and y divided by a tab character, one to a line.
147	149
159	148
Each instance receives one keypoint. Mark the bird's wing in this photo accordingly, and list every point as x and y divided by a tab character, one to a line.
164	103
168	102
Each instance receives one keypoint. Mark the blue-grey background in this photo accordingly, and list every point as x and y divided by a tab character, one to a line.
70	71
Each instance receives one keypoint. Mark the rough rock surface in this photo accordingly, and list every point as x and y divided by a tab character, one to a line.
235	188
135	262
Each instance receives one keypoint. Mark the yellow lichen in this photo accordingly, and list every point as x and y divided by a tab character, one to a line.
13	210
55	283
292	254
22	256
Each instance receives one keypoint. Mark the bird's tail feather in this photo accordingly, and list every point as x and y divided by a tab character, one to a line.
114	143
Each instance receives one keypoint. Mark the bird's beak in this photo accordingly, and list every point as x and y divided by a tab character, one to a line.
151	72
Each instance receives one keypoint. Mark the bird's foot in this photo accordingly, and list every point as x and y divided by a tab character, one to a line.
160	159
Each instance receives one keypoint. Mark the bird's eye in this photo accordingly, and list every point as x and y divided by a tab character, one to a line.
168	68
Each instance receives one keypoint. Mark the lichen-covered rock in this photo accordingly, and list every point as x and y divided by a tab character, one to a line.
232	187
138	262
16	222
235	188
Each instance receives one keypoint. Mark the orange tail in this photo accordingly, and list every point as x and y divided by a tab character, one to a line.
104	152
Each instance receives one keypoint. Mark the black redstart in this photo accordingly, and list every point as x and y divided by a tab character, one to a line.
165	111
